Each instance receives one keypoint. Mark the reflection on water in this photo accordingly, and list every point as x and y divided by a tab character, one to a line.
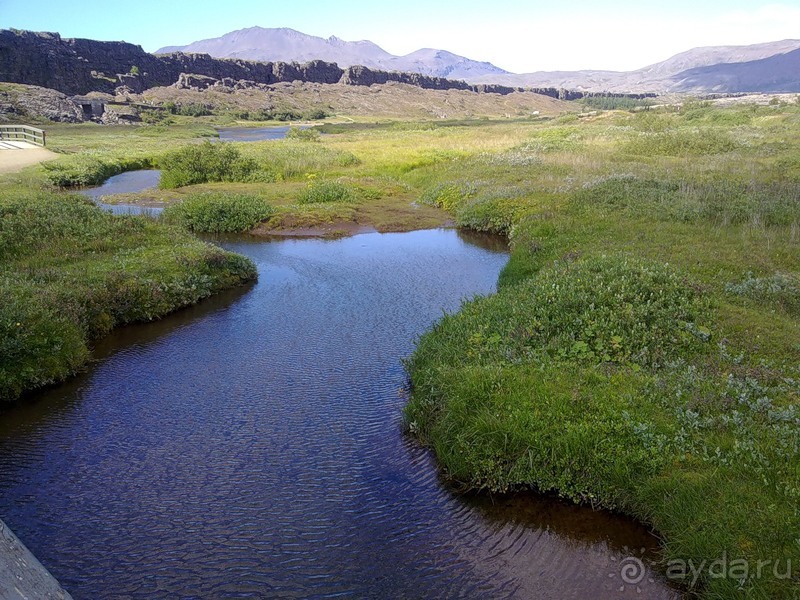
130	182
253	134
253	447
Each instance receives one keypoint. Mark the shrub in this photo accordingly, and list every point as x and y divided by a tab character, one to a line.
285	115
193	109
679	142
780	289
39	345
448	196
316	114
85	169
303	135
724	201
156	117
495	213
217	212
594	310
71	272
201	163
325	191
615	102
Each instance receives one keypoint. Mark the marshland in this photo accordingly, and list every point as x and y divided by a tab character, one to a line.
598	305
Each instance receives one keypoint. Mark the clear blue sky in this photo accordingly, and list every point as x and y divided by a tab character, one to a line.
518	35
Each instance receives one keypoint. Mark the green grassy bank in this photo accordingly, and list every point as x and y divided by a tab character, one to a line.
643	350
70	272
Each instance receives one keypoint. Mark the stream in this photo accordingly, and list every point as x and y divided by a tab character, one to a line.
253	446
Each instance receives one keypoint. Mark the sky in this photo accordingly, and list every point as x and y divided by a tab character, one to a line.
520	36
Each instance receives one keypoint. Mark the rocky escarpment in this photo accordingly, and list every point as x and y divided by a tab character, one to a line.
19	102
79	66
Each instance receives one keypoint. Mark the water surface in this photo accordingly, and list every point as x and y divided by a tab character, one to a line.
252	447
130	182
253	134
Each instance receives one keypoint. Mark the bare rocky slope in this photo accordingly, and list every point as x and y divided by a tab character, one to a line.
288	45
392	100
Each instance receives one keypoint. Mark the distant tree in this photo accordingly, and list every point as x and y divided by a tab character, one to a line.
134	70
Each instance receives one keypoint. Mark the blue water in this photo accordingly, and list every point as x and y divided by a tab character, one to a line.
253	134
253	447
126	183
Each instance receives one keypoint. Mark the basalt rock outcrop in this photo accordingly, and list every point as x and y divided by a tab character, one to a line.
79	66
19	102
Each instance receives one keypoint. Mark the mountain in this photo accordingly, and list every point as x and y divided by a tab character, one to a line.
288	45
768	67
778	73
79	66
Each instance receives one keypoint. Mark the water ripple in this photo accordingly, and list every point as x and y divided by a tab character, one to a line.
252	447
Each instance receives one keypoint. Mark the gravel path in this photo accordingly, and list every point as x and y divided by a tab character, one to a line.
16	159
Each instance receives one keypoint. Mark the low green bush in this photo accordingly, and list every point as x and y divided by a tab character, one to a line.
303	134
682	142
615	102
603	309
721	202
493	213
85	169
192	109
778	290
39	344
319	191
156	117
205	162
448	196
217	212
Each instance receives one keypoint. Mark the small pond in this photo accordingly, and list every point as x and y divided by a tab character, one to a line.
253	134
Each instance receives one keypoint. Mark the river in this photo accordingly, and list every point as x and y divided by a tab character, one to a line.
252	446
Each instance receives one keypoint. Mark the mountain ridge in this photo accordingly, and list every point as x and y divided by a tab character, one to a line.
682	72
288	45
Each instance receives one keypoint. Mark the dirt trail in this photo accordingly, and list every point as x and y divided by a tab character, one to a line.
13	160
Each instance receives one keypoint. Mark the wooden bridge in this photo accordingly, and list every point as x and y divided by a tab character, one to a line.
17	137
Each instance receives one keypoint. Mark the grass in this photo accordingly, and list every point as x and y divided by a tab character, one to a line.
325	191
219	212
643	350
70	272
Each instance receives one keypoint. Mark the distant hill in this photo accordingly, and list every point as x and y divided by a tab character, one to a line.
778	73
768	67
288	45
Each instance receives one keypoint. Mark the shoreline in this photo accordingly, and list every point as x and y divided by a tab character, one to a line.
22	576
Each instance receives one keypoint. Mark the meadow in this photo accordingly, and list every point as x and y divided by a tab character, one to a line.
642	352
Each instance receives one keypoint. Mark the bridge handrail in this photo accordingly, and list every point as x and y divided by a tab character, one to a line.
24	133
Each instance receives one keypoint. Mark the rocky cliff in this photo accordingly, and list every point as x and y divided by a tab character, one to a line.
78	66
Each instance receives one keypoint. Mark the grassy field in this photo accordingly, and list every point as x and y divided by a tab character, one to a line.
643	350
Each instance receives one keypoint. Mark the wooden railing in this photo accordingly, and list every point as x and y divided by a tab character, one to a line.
22	133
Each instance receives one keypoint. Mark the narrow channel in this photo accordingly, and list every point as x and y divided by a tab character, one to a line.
253	446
